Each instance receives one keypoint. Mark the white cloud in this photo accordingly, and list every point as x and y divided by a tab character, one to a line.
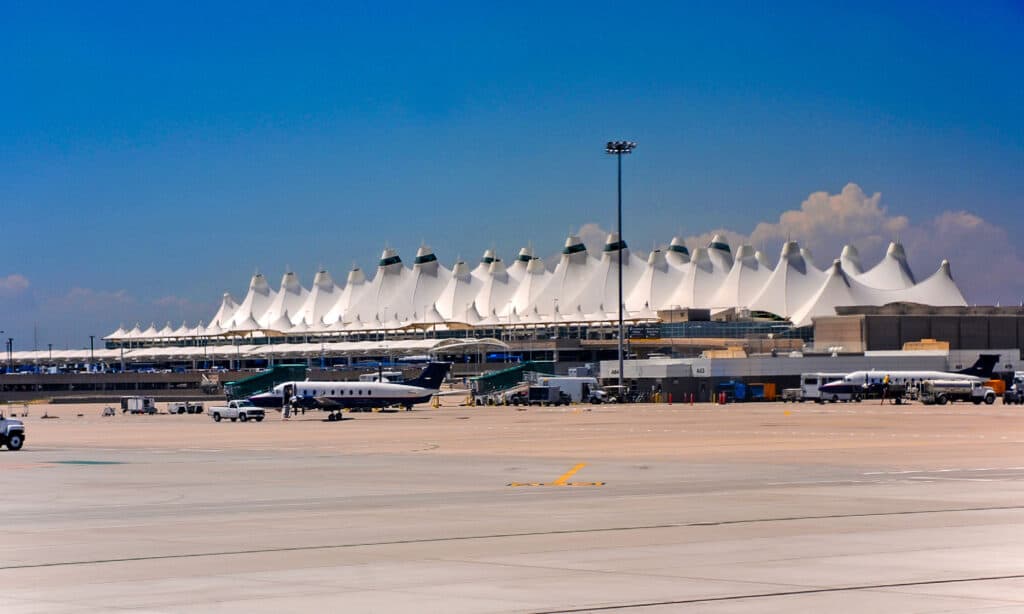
13	285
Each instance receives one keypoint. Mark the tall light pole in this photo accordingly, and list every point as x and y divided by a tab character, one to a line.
619	149
92	352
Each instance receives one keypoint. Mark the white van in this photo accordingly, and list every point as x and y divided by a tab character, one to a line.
810	384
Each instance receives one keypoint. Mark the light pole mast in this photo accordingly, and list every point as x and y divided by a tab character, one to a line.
618	149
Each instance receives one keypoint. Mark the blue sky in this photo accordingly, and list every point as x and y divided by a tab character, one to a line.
154	155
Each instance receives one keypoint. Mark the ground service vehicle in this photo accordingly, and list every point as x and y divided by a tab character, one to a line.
579	389
240	409
1014	395
138	405
12	433
547	395
940	392
811	383
791	395
184	407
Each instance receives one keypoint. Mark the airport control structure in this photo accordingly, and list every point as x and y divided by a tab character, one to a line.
581	290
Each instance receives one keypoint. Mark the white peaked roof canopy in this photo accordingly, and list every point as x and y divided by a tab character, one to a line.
322	296
255	303
352	294
135	332
455	301
481	268
429	279
892	273
572	273
656	285
518	268
720	253
677	254
602	287
808	257
498	287
388	294
248	325
835	291
700	282
289	299
580	289
850	260
283	323
743	282
791	284
939	289
228	307
120	333
150	333
529	290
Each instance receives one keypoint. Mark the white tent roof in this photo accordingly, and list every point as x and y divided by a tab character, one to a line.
388	294
518	268
677	254
584	289
836	290
428	281
289	299
498	286
322	296
529	289
720	253
480	270
355	287
892	273
255	303
227	309
850	261
456	300
743	282
791	284
602	287
700	282
574	270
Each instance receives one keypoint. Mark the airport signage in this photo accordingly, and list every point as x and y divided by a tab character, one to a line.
644	331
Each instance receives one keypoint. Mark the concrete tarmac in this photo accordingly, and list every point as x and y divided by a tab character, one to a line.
646	508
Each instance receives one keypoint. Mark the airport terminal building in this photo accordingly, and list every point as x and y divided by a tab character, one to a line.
678	305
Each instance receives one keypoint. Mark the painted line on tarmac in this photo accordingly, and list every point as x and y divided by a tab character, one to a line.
563	480
458	538
793	593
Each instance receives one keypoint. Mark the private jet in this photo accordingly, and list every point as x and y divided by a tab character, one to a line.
335	396
858	383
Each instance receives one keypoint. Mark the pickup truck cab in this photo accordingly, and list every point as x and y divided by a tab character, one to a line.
241	409
12	433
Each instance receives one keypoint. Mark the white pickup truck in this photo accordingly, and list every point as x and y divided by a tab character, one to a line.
242	409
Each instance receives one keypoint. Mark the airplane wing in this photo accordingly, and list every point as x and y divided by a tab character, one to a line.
445	393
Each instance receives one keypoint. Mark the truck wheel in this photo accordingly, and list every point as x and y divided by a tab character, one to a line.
15	441
181	410
242	417
258	419
216	417
941	400
990	399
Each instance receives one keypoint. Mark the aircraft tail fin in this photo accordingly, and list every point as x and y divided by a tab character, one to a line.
432	376
983	367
